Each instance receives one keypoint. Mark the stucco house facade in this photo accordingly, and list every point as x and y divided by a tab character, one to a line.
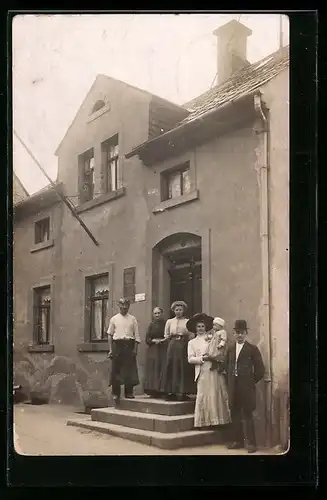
186	202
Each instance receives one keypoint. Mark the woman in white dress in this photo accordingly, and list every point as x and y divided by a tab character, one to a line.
211	407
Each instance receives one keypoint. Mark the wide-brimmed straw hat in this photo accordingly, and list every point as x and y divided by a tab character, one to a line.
178	303
199	318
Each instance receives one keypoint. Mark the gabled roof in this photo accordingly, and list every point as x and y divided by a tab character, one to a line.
42	199
243	82
109	78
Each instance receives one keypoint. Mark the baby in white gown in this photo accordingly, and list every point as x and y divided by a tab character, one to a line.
217	343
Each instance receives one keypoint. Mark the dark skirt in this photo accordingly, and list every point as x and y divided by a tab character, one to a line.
178	374
123	364
154	364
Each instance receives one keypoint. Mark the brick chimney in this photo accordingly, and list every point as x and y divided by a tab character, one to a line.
231	49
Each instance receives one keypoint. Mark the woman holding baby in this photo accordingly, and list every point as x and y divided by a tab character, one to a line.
206	352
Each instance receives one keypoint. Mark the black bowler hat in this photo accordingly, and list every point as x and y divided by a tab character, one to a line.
240	324
199	318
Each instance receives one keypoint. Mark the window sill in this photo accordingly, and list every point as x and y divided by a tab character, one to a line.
93	347
41	348
104	198
98	113
42	246
175	202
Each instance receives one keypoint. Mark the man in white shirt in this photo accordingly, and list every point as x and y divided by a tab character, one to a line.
244	369
123	339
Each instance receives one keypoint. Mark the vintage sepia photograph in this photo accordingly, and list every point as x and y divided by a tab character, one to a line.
151	172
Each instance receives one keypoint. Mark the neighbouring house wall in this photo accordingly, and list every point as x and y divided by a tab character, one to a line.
32	268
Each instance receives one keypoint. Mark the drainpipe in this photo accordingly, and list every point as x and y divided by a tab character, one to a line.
264	237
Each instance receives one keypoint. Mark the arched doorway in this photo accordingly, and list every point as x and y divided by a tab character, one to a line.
177	272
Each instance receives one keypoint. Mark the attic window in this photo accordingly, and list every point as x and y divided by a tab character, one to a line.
98	105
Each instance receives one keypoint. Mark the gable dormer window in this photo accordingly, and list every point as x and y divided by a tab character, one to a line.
98	105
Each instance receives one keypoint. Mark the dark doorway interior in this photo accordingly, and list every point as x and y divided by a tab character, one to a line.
185	273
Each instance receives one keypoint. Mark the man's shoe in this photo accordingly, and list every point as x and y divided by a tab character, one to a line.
252	449
235	446
129	396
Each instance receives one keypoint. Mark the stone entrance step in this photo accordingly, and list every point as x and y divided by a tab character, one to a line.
162	440
146	421
157	406
155	422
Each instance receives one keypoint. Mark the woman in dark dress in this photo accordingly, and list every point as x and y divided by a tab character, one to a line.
155	354
178	375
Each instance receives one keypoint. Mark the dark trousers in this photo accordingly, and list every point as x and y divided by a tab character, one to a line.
242	427
123	367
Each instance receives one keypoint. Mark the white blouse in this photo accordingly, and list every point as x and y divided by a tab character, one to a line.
176	326
196	349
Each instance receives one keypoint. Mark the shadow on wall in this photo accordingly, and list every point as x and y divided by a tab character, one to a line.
62	380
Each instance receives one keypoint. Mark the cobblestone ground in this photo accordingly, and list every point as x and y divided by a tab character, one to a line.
42	430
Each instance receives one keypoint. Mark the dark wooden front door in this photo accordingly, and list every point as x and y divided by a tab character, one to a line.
186	284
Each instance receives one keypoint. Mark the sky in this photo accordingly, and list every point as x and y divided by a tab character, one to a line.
56	59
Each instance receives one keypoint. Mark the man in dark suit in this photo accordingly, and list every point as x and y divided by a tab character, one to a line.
244	368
